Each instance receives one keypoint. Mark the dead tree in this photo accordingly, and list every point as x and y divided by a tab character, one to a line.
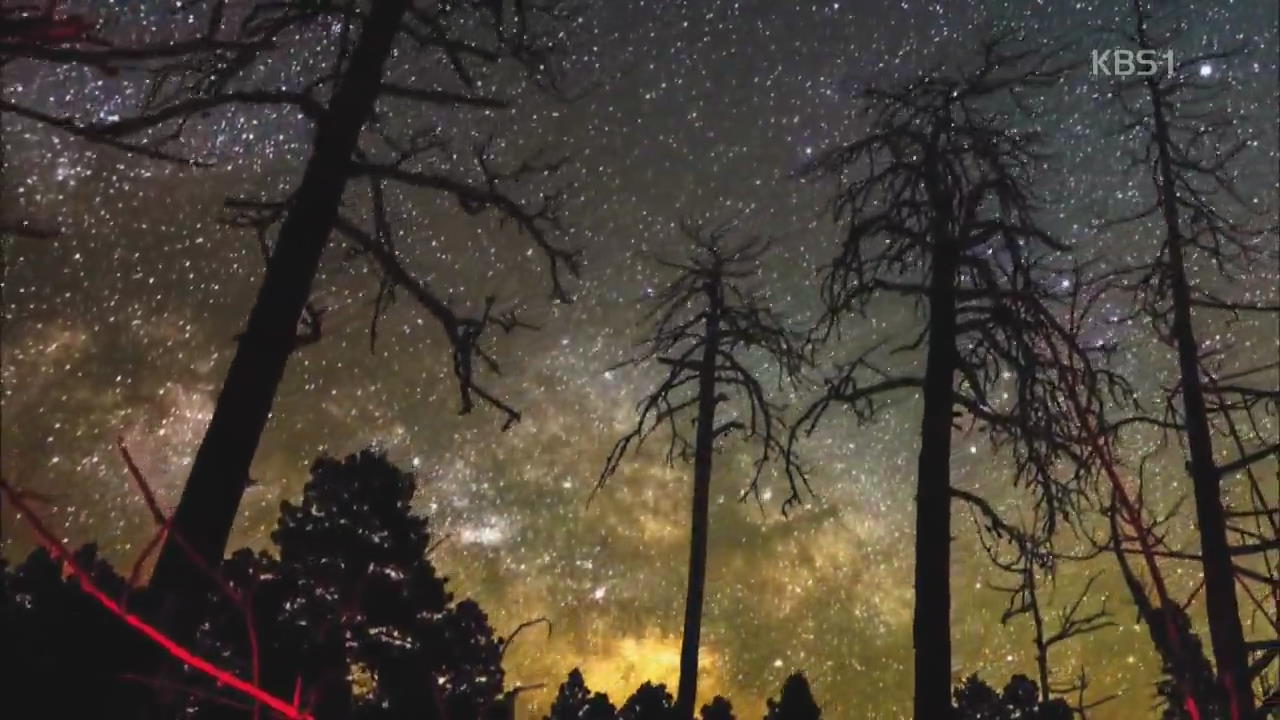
1238	403
711	334
375	70
1189	150
938	206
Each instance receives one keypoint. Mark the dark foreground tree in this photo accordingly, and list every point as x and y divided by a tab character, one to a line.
67	656
710	333
1020	700
718	709
648	702
1191	154
353	607
383	88
795	702
350	618
939	206
574	701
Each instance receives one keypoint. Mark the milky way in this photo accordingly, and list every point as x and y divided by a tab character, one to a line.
123	323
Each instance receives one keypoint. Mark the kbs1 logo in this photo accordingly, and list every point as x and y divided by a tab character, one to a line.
1128	63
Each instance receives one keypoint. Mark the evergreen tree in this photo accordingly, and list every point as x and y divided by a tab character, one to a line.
69	656
705	324
795	702
575	701
354	607
1020	700
718	709
649	702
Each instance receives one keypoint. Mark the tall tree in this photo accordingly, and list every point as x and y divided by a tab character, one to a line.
1194	150
711	334
939	206
373	71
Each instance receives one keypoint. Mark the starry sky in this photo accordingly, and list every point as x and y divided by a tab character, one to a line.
123	324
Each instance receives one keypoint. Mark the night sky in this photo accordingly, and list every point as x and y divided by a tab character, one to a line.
123	324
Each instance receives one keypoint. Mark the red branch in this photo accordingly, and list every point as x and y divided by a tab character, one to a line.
1101	446
164	526
59	551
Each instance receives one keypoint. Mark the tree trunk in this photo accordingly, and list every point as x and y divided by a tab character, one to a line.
1037	618
1225	629
687	692
931	626
212	495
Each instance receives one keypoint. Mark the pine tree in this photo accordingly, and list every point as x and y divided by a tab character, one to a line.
718	709
353	594
795	702
375	69
575	701
1020	700
67	656
648	702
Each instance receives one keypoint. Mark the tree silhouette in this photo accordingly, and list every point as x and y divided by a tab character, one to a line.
108	594
350	619
353	594
1193	152
795	701
648	702
375	70
939	204
574	701
718	709
704	326
1020	700
76	656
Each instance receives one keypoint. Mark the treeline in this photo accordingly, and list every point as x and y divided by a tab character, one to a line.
347	606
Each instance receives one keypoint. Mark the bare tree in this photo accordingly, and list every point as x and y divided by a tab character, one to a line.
939	206
1189	150
377	82
714	337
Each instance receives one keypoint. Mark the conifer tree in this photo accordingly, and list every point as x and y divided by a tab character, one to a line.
795	702
575	701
